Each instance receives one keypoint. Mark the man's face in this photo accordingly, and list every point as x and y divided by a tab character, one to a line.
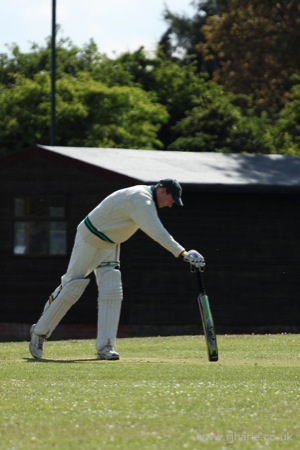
164	199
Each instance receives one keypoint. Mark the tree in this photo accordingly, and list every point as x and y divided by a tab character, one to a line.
88	114
180	41
258	46
121	116
70	59
138	101
217	124
287	130
24	112
178	88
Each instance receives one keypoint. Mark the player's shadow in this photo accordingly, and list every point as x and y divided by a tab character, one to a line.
60	361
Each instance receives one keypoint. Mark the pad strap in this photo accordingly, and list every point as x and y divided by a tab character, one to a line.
109	264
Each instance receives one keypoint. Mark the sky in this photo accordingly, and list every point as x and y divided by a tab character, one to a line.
116	26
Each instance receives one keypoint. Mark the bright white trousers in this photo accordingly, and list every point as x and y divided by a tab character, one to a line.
84	260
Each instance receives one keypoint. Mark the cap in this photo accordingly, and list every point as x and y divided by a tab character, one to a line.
174	188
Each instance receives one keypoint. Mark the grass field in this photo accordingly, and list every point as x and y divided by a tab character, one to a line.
163	394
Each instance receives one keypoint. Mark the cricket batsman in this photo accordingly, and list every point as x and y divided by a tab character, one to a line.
97	249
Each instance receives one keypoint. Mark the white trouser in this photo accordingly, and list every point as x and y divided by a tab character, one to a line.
83	261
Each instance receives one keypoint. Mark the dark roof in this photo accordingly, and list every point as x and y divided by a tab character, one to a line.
205	169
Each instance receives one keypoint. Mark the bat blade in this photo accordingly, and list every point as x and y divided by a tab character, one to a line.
208	327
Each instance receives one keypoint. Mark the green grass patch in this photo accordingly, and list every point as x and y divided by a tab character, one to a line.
162	395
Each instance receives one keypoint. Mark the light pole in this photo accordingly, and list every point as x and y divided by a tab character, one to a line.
53	76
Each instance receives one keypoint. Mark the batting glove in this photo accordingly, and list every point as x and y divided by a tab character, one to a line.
194	258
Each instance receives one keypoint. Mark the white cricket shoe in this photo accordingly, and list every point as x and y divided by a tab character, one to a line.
36	344
108	353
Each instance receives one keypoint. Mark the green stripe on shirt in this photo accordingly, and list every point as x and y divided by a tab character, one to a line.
96	232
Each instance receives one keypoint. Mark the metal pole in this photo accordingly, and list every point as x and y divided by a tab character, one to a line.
53	76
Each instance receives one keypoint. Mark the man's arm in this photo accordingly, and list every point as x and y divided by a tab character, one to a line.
144	214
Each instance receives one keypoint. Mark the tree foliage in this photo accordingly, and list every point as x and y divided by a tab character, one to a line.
287	132
258	48
70	59
225	79
218	124
181	40
88	114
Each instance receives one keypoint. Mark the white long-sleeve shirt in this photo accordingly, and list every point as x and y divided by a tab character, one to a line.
121	214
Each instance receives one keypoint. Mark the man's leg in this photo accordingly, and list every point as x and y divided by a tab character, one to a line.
84	259
55	309
108	277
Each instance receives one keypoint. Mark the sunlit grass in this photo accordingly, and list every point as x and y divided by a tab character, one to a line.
163	394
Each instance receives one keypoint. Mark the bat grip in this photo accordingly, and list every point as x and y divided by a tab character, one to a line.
200	282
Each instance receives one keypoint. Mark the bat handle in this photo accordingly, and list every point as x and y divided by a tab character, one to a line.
200	281
198	272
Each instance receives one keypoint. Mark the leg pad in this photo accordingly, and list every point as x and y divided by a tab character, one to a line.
109	308
54	311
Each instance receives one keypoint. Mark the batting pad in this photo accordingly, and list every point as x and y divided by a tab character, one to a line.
55	311
109	308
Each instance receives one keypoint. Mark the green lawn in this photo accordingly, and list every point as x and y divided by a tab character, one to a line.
162	395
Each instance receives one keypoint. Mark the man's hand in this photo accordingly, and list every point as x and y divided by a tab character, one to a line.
194	258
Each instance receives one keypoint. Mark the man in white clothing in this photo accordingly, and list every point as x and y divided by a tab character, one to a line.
97	249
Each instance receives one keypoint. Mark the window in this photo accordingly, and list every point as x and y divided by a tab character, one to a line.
40	226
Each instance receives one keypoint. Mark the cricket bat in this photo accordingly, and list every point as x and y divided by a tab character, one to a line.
207	321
